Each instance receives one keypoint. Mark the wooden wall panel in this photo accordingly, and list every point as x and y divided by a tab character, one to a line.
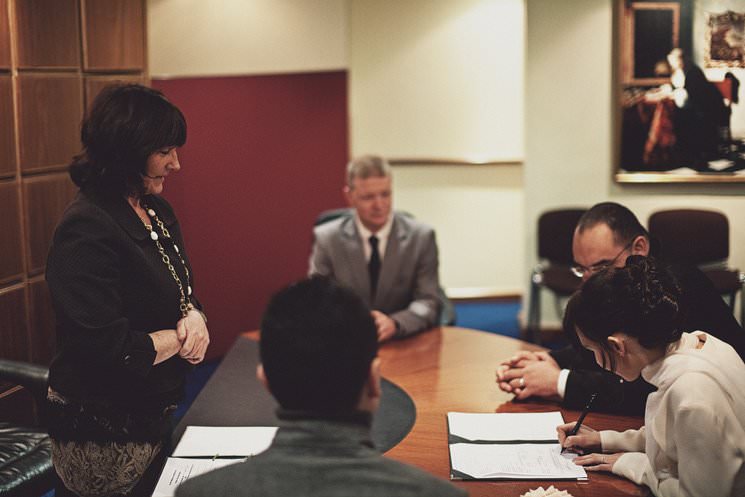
50	109
45	198
11	251
4	36
114	35
13	326
48	33
7	138
41	322
94	84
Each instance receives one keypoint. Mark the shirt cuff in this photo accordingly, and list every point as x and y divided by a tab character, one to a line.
561	383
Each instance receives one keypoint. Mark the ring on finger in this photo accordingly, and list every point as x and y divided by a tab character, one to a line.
521	382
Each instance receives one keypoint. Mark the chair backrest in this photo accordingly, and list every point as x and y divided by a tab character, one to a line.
31	376
331	214
555	232
691	236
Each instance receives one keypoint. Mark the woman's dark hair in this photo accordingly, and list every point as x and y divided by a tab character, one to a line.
125	124
640	299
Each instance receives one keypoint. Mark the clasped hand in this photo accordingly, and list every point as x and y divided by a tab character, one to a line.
385	324
194	337
529	374
588	440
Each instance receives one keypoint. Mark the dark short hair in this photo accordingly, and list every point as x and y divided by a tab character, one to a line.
621	221
318	340
641	299
125	124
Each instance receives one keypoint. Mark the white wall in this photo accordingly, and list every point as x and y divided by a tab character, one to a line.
437	78
228	37
569	135
478	214
442	79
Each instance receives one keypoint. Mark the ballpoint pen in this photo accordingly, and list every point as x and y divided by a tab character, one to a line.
578	424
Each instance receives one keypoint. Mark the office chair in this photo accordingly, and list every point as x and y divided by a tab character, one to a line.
553	272
447	309
25	452
700	238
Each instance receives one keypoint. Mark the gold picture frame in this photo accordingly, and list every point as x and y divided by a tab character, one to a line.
674	113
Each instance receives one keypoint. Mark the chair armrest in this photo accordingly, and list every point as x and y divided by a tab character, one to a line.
31	376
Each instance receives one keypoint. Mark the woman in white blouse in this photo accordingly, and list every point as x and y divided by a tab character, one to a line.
693	441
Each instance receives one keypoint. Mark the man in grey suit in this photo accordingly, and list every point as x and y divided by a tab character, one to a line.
318	359
388	258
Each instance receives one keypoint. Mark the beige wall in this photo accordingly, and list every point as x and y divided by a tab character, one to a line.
227	37
443	79
428	78
569	130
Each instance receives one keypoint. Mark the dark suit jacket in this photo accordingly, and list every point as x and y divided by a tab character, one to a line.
110	288
408	283
703	309
319	458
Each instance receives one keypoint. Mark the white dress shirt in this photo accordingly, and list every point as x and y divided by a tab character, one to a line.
382	234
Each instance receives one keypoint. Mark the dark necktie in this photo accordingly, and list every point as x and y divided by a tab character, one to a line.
374	265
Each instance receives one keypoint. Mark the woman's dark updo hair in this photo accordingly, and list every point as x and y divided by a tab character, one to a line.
640	299
125	124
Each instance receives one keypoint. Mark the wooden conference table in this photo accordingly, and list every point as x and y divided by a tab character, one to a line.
452	369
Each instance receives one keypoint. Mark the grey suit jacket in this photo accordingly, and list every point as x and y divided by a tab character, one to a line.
408	284
319	458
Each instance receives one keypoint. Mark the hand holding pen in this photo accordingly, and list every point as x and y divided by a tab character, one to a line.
575	435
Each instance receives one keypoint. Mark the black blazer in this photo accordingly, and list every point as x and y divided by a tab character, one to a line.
703	309
110	288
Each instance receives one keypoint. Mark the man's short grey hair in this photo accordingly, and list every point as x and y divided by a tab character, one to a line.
367	166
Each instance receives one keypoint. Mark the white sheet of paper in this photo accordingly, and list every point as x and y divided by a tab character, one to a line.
505	426
209	441
177	471
720	164
516	461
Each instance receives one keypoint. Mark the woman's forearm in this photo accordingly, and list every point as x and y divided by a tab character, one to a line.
166	344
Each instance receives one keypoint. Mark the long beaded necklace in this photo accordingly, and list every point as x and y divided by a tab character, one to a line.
185	304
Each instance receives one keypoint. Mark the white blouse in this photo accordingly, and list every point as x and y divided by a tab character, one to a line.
693	441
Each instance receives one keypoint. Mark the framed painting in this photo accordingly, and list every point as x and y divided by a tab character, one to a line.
679	117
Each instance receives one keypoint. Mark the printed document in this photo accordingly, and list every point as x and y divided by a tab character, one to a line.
514	461
224	441
520	446
505	427
177	471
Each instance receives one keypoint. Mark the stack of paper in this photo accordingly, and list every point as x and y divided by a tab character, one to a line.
522	446
201	448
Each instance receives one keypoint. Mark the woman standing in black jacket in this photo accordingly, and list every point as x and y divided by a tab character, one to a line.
128	324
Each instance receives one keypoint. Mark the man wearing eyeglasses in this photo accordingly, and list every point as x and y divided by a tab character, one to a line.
605	236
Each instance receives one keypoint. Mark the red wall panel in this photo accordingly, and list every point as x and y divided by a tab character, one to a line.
264	155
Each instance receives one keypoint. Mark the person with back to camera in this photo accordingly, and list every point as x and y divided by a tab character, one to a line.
318	353
128	324
693	439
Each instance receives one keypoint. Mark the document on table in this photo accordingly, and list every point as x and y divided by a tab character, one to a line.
504	427
513	461
178	470
224	441
522	446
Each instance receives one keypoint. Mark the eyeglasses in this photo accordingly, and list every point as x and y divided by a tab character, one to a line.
581	271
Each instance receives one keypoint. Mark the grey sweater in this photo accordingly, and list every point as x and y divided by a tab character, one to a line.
312	456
